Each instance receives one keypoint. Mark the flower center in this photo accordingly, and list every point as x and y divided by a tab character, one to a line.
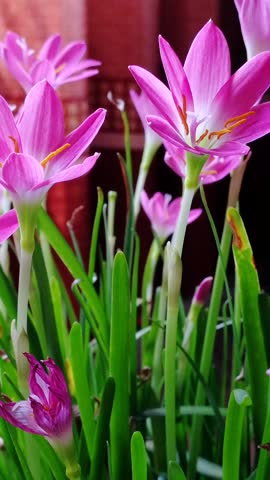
60	68
229	126
51	155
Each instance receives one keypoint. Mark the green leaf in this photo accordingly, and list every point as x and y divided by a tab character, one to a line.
176	472
138	457
8	295
102	430
119	368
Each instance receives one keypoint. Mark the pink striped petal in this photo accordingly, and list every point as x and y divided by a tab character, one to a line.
50	48
22	173
16	69
7	129
43	70
73	52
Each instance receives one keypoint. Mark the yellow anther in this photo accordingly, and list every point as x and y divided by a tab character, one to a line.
242	119
53	154
183	114
60	68
219	133
16	144
1	164
208	172
202	136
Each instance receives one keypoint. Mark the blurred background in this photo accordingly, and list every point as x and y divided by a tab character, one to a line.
120	33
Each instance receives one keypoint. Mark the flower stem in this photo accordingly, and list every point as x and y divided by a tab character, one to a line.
174	282
23	291
147	157
179	234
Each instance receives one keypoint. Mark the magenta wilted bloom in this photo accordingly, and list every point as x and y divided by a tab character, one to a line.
214	169
35	153
48	410
254	17
206	110
52	63
163	213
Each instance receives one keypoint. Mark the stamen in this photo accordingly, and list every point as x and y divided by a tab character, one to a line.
183	114
219	133
242	117
16	144
1	164
53	154
208	172
202	136
60	68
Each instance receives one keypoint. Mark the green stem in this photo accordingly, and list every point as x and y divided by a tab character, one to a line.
23	291
174	282
179	234
147	157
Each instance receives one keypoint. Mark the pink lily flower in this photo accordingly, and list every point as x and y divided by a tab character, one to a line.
48	410
214	169
34	152
163	213
145	107
207	110
58	66
8	225
254	17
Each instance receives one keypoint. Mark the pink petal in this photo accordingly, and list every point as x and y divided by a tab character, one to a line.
256	125
73	52
194	214
22	173
77	68
17	70
8	225
43	70
70	173
244	89
158	93
50	48
207	66
167	132
41	124
7	129
75	78
202	291
20	415
79	140
176	75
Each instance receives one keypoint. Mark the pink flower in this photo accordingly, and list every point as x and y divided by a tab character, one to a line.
52	63
145	107
48	410
8	225
163	213
206	110
35	153
214	169
254	16
202	291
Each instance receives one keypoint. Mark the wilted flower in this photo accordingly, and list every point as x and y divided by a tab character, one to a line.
254	17
163	213
48	410
206	110
52	63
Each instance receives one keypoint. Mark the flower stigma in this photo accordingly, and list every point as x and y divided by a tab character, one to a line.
53	154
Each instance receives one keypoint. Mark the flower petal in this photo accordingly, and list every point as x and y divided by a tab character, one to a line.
8	225
50	48
20	415
22	173
176	75
7	129
79	140
41	124
158	93
17	70
244	89
255	126
43	70
73	52
207	66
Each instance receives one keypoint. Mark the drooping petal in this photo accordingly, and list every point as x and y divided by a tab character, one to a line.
8	225
22	173
79	140
244	89
255	126
158	93
17	70
207	66
20	415
41	124
50	48
176	75
8	130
